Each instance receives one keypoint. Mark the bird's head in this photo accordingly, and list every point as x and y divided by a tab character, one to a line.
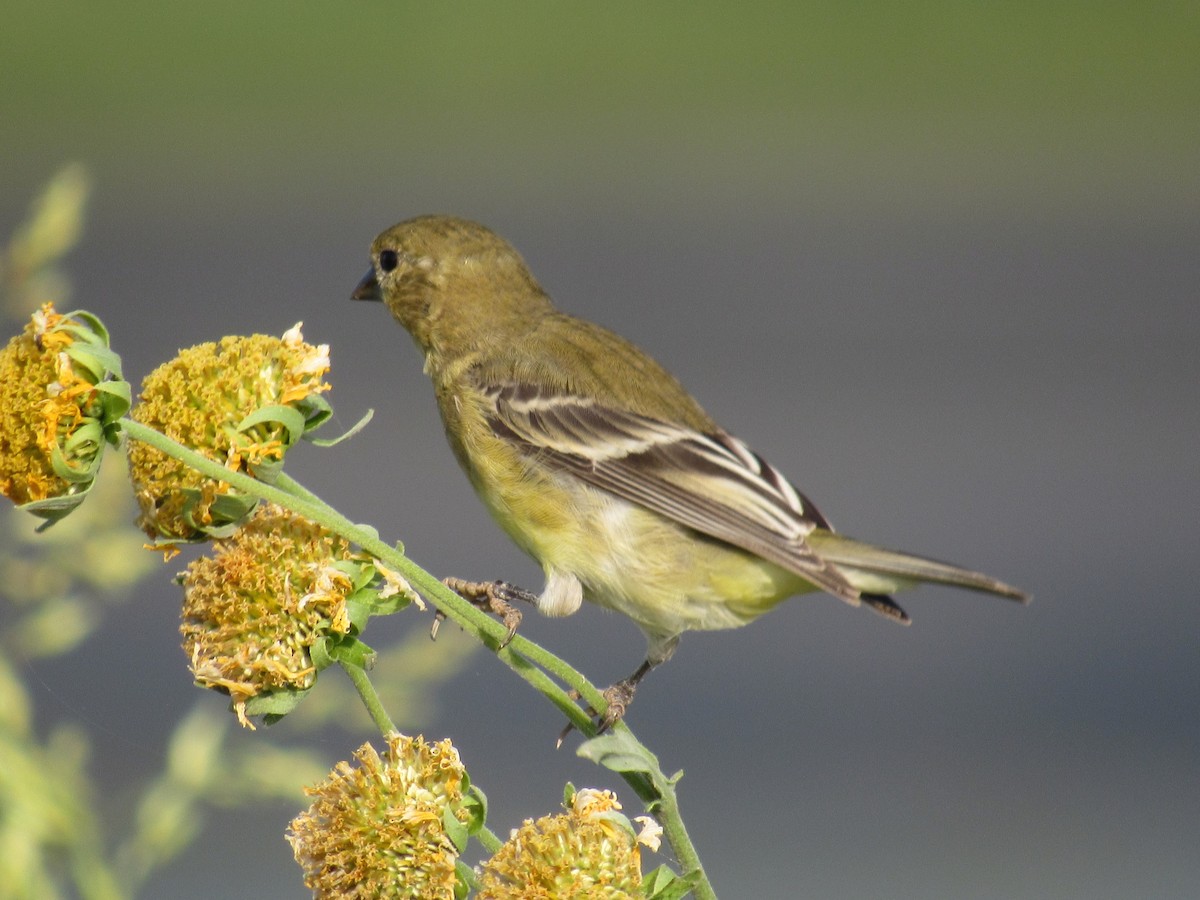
450	280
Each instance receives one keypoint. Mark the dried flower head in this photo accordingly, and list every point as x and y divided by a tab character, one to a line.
241	402
378	829
253	610
590	851
61	397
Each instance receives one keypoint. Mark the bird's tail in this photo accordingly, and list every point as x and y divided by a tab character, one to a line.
877	572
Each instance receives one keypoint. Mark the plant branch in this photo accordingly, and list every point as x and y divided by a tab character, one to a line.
531	662
370	698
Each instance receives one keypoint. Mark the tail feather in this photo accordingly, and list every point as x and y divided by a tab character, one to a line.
876	571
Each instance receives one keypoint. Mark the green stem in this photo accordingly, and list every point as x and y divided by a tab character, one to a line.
370	698
491	843
285	482
677	836
530	661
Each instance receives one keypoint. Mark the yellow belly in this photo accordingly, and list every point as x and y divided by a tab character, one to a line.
664	576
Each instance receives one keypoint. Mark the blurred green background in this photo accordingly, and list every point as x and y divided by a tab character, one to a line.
938	262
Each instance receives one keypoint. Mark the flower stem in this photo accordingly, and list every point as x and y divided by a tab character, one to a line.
490	841
369	696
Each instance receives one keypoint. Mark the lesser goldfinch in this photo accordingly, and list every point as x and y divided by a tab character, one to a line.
598	463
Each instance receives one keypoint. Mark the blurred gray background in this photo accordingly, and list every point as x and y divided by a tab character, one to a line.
938	263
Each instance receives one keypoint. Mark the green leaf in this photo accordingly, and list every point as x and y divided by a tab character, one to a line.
277	704
216	532
225	506
320	654
385	606
663	884
94	333
75	474
475	803
98	361
289	418
267	471
353	430
465	879
87	439
620	752
359	608
316	411
455	830
359	572
54	508
350	651
115	399
654	882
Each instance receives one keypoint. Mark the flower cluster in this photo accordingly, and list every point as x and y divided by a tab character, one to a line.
379	829
253	610
61	397
241	402
590	851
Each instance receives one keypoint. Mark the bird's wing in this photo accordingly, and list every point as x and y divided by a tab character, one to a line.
712	483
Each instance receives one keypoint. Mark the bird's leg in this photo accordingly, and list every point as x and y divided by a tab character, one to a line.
495	597
617	698
620	695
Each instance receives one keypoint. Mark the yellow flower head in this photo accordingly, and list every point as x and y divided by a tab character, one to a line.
61	399
378	829
243	403
590	851
253	610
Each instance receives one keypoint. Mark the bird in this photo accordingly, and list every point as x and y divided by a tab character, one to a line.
600	465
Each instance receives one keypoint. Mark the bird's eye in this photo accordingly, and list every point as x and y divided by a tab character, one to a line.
388	260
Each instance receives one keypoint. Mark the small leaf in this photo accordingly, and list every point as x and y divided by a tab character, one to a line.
353	430
384	606
229	507
316	411
68	472
219	532
455	830
98	361
663	884
350	651
116	398
654	882
54	508
475	803
84	440
267	471
360	573
286	416
359	609
277	704
319	653
94	333
620	752
465	878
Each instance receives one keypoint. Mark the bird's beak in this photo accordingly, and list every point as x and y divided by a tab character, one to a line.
368	288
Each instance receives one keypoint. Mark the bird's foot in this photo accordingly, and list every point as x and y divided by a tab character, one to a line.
496	597
617	698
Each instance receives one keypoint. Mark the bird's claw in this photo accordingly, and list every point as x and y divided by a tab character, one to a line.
617	698
496	597
438	618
